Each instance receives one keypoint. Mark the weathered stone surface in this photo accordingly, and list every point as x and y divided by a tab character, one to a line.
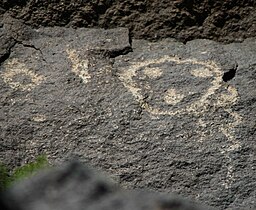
77	187
185	20
160	117
6	43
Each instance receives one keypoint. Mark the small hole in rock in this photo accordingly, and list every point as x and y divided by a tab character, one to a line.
229	75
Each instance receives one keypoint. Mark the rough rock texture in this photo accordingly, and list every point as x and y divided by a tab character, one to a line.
77	187
167	116
228	20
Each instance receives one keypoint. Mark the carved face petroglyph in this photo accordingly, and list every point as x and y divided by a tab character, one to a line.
176	95
170	86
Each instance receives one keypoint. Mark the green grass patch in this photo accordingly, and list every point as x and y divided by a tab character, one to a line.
7	179
4	177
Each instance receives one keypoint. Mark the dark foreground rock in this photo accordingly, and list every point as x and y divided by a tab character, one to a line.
185	20
166	116
75	187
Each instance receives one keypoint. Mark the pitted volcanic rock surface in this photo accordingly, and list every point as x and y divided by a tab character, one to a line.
225	21
163	115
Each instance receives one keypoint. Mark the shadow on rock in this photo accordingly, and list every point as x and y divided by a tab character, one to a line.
75	186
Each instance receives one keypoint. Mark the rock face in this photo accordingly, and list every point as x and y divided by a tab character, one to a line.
185	20
166	116
77	187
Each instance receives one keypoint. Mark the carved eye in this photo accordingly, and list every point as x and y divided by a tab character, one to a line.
153	73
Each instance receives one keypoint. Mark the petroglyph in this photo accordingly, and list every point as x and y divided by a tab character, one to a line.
201	102
39	118
197	107
153	72
18	76
201	72
79	66
172	97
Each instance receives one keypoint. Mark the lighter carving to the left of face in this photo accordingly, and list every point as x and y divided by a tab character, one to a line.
19	77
